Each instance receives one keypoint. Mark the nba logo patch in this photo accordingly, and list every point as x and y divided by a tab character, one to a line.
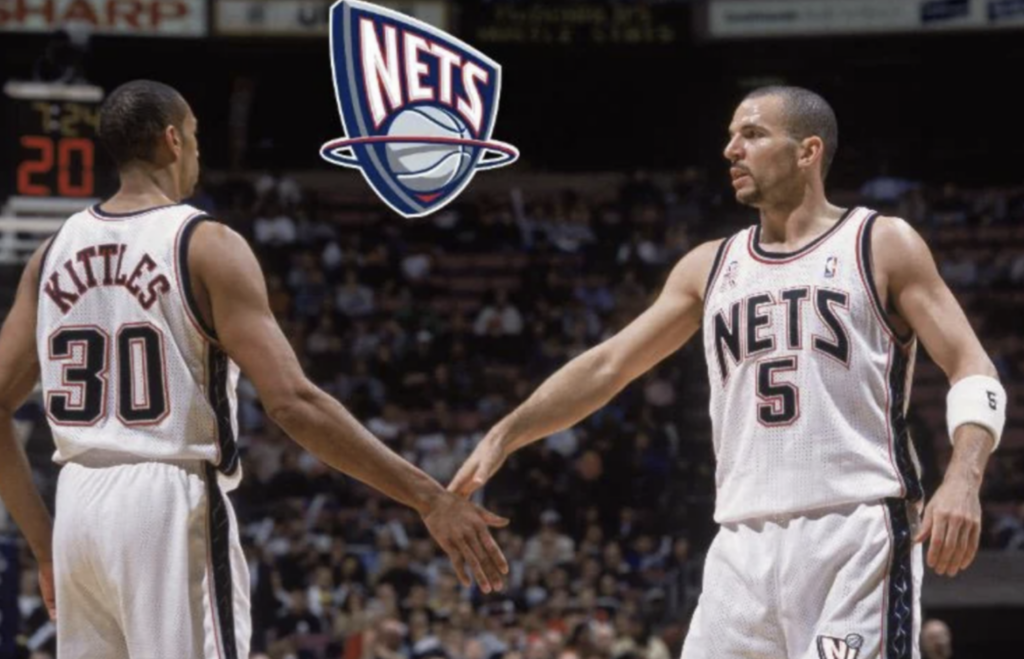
418	107
831	267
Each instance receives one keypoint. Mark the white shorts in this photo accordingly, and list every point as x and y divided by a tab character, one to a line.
148	564
842	583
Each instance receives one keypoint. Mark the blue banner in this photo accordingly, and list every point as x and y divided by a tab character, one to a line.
1005	10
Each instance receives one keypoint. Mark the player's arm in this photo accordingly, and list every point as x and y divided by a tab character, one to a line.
231	282
976	404
593	378
19	371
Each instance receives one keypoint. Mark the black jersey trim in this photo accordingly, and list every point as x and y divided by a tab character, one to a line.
785	257
219	525
716	265
865	262
108	215
185	278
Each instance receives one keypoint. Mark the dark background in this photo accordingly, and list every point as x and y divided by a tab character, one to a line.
934	107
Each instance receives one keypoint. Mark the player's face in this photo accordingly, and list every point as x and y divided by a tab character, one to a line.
189	155
762	154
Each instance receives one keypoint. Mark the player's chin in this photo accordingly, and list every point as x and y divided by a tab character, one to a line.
747	196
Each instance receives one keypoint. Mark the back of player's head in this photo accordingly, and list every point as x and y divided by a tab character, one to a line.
134	117
806	114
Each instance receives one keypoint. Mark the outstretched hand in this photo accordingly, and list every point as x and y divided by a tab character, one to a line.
487	458
460	527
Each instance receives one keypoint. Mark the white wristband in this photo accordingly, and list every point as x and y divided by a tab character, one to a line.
977	399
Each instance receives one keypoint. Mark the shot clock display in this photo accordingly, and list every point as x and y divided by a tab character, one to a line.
51	140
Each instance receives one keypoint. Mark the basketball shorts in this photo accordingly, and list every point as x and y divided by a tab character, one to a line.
842	583
148	563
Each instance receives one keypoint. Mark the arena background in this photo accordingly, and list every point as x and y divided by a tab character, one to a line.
430	329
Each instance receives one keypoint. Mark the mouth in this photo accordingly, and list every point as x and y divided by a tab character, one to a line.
736	173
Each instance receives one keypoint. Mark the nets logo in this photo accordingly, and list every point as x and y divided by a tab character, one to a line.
418	107
840	648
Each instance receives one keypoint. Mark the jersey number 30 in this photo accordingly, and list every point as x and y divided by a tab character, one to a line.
85	356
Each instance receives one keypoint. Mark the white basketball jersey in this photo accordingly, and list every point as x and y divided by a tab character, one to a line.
126	364
809	380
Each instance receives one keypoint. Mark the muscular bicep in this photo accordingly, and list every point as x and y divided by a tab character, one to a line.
19	361
225	266
924	302
667	324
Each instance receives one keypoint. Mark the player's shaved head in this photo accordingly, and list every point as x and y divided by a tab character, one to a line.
806	115
134	117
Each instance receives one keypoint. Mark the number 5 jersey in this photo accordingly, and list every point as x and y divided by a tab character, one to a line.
809	379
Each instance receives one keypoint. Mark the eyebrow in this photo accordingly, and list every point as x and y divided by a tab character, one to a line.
747	125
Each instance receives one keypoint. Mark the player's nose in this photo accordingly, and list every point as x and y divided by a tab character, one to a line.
732	150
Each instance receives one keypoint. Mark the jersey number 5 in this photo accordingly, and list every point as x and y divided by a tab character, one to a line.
140	370
780	401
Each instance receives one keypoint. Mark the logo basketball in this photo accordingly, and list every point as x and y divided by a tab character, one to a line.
418	107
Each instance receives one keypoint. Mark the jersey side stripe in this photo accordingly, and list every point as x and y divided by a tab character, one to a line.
218	374
900	431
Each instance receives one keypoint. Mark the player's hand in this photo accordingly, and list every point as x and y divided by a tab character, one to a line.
953	520
487	458
461	528
46	587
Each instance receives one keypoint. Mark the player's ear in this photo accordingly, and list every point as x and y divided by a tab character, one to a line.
172	138
811	151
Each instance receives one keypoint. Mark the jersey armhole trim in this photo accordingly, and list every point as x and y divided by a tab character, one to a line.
716	265
185	278
864	263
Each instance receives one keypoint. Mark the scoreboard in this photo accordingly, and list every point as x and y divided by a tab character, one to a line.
51	147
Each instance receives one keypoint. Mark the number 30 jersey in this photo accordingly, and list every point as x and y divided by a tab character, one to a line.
809	379
126	363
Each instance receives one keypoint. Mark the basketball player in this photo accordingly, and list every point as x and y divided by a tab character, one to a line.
810	320
135	315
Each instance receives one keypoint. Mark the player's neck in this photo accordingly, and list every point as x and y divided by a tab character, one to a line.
790	226
141	188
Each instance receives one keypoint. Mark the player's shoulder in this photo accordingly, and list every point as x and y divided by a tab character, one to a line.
218	251
694	270
710	248
898	248
894	234
215	247
892	226
703	256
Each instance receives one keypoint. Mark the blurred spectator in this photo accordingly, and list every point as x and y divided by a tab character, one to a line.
549	548
499	317
354	299
936	640
887	189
